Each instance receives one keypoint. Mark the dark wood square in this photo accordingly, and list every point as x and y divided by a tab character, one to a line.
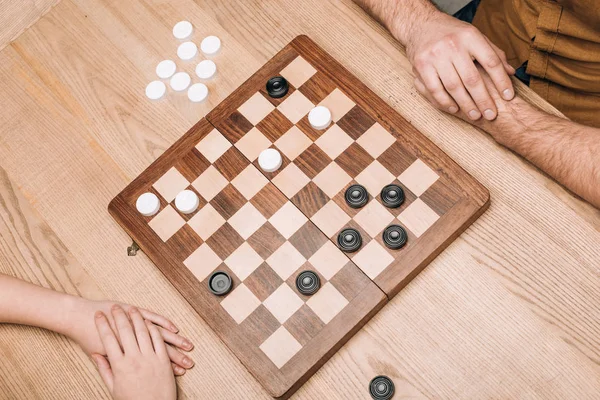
305	126
304	325
201	203
277	102
284	163
348	282
397	158
228	201
223	268
291	281
274	125
259	326
440	196
308	239
310	199
354	160
266	240
269	200
356	122
318	87
263	281
225	241
409	198
184	242
340	200
192	165
312	161
231	163
163	202
235	126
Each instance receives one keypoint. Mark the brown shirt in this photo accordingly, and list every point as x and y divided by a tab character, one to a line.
560	40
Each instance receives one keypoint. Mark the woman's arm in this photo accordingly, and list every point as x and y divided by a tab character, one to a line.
28	304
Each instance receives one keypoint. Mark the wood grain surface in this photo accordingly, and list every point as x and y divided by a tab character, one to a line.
509	310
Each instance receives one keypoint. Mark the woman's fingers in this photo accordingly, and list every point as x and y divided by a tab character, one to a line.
125	330
157	341
179	358
177	370
107	336
104	370
176	340
141	331
159	320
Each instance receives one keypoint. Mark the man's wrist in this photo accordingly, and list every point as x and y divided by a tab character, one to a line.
405	21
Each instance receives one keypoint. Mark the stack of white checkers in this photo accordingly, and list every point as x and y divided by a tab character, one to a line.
180	80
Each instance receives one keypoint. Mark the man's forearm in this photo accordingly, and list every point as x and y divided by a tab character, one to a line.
565	150
400	17
27	304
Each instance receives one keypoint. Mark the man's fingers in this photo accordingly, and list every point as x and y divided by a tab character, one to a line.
159	320
141	331
125	330
179	358
176	340
509	69
431	80
420	86
473	82
454	85
104	370
107	336
487	56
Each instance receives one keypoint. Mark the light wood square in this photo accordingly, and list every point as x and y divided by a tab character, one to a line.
334	141
252	143
256	108
243	261
240	303
293	143
418	217
288	219
283	303
280	347
330	219
286	260
327	302
247	220
249	182
372	259
202	262
332	179
328	260
170	184
210	183
296	106
167	223
375	177
373	218
338	103
376	140
418	177
298	72
290	180
206	221
213	146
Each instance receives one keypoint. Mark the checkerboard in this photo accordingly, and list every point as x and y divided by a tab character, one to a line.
263	229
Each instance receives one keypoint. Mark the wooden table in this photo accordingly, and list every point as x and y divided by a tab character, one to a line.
509	310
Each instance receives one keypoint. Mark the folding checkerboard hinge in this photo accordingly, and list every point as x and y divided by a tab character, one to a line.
133	249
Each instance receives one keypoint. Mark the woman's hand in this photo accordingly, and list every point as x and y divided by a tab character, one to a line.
83	331
138	365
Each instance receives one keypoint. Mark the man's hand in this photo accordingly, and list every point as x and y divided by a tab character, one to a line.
443	51
138	366
81	328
